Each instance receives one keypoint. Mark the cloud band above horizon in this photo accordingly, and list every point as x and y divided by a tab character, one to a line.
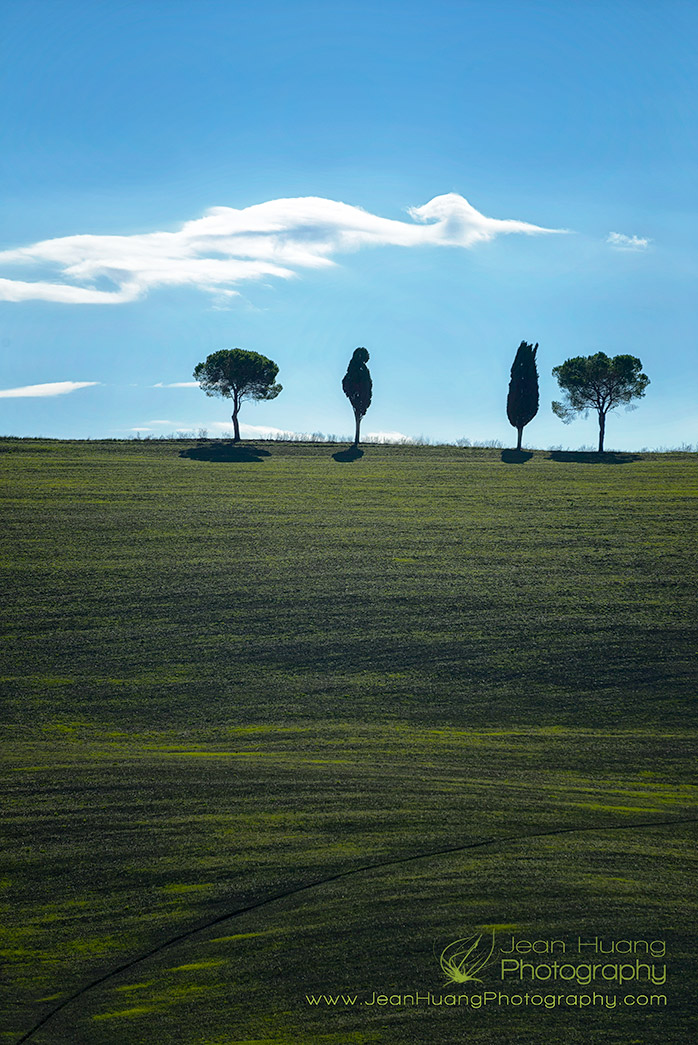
227	247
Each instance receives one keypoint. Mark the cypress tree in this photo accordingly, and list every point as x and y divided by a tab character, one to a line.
522	401
357	386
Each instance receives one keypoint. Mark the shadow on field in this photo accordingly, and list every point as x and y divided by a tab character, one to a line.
516	456
225	453
352	453
592	457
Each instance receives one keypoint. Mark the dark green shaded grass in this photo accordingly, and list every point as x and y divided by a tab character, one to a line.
226	679
408	583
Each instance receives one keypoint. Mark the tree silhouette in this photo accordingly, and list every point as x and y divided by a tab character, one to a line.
358	387
522	400
236	374
598	383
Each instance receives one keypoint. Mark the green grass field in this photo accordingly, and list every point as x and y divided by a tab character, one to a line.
234	673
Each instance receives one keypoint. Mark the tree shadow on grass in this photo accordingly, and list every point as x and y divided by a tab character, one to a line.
592	457
352	453
516	456
225	453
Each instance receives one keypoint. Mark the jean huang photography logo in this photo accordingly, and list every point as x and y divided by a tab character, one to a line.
462	960
498	966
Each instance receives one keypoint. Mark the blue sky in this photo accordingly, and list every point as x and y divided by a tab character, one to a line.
307	140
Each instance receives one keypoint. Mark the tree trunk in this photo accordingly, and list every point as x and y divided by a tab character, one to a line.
236	426
520	431
358	426
602	429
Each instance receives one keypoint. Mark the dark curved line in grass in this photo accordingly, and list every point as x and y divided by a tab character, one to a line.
325	881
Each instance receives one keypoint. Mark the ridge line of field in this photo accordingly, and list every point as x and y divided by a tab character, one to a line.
180	937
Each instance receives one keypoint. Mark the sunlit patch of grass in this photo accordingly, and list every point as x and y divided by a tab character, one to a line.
600	807
197	965
93	947
142	986
133	1013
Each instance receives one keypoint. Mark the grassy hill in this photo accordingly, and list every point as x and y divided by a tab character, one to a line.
234	672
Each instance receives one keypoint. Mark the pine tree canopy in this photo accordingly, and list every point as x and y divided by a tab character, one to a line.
598	382
235	373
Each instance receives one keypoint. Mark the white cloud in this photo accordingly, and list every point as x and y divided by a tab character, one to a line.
53	388
387	437
18	290
177	384
253	431
620	242
228	246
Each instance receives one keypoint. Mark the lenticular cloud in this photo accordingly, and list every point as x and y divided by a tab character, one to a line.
227	247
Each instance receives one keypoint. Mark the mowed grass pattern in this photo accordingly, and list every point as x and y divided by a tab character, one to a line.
233	672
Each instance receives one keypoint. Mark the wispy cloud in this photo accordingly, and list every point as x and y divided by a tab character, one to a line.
53	388
227	247
621	242
177	384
